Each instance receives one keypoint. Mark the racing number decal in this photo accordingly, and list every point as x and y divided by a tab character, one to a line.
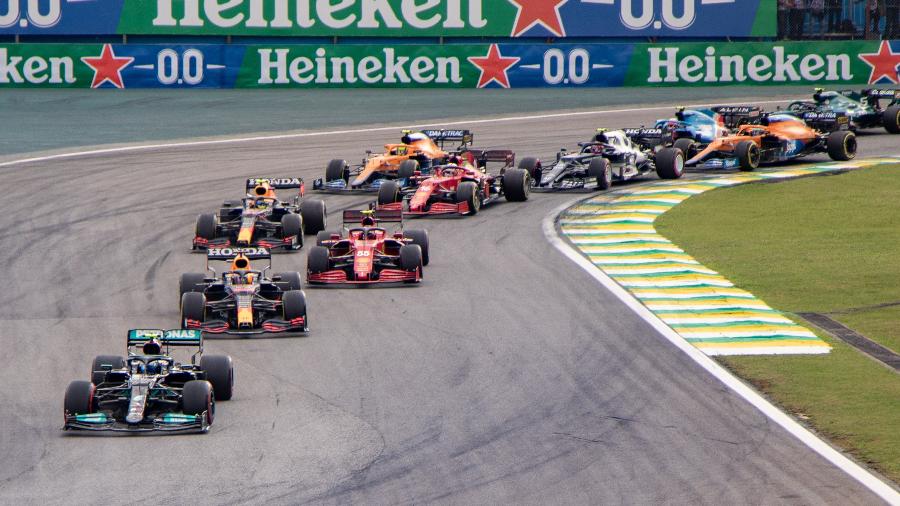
363	253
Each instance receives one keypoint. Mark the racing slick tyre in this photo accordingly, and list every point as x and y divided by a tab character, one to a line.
336	170
411	259
292	226
532	166
289	281
219	371
317	260
747	153
842	145
197	397
207	225
419	237
407	169
687	146
79	399
293	305
467	191
193	307
191	282
388	192
314	216
599	168
670	163
891	117
322	236
516	185
98	374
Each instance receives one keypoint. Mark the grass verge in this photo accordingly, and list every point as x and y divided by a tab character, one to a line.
820	244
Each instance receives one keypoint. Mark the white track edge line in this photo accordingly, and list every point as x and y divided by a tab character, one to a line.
237	140
842	462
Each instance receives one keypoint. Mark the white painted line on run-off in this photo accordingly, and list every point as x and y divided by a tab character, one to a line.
299	135
819	446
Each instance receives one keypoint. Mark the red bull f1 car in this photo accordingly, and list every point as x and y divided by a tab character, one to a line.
367	253
261	219
149	390
242	300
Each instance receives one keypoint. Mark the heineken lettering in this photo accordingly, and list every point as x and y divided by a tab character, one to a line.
278	67
35	69
290	14
780	66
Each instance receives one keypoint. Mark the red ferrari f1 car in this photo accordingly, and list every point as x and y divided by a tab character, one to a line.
367	253
457	188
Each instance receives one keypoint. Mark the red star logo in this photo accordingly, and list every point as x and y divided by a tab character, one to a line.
884	63
107	67
533	12
493	67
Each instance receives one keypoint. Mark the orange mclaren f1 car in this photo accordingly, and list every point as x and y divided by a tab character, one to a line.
776	137
417	153
367	253
261	219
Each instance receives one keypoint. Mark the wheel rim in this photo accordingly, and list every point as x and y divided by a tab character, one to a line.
607	176
850	145
679	163
754	155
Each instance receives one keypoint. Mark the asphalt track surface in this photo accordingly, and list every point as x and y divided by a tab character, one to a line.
508	375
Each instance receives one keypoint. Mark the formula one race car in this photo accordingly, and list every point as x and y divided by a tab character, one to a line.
863	108
260	219
417	154
611	155
242	300
149	390
461	187
702	126
367	253
777	138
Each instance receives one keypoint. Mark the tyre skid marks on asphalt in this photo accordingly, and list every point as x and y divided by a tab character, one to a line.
615	231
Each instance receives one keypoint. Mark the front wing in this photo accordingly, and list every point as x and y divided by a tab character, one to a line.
169	422
271	326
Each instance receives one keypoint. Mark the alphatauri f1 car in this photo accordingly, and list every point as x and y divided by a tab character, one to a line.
611	155
148	390
242	300
261	219
368	253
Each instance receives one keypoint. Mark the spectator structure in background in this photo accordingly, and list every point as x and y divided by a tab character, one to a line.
838	19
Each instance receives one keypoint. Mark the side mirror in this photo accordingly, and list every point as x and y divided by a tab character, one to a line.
276	278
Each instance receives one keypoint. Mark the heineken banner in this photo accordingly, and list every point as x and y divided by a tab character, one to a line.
392	18
448	66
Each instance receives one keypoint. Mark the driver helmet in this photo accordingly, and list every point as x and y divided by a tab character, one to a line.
155	367
152	347
368	221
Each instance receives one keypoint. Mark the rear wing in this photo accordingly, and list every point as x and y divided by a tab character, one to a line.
226	254
734	116
874	95
826	121
175	337
647	137
483	156
282	183
462	136
379	215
